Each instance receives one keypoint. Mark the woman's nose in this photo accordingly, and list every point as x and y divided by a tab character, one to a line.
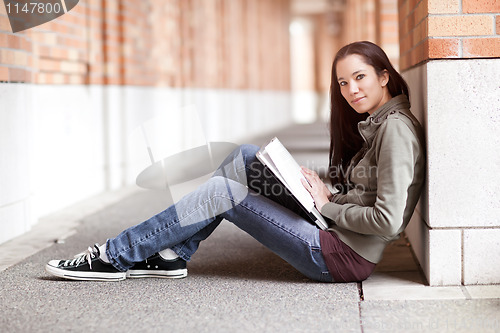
353	88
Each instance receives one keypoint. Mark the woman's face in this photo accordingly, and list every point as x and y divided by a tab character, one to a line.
362	88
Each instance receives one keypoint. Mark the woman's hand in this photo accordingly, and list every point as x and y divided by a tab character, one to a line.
320	193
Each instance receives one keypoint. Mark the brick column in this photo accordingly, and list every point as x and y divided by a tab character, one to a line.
448	29
373	20
359	21
190	43
449	57
387	36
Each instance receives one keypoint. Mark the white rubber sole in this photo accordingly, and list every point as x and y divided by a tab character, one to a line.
174	274
85	276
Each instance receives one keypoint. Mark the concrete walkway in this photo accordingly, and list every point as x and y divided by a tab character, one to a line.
234	283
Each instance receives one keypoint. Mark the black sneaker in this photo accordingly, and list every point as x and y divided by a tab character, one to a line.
156	266
85	266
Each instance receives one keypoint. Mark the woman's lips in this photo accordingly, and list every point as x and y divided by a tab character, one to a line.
357	100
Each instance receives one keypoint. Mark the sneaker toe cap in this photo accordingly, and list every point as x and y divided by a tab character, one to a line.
54	263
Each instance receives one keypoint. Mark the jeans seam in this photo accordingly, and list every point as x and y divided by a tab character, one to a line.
174	221
324	276
180	252
198	207
277	225
157	231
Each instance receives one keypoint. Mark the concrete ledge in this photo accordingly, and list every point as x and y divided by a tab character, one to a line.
398	277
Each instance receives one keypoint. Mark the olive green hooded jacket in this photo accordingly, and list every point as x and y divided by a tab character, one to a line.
387	177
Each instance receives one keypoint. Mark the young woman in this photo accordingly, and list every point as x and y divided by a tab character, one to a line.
377	164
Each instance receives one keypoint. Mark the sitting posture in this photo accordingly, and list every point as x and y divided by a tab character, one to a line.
376	166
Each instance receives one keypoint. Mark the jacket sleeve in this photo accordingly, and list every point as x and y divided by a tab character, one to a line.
396	153
338	198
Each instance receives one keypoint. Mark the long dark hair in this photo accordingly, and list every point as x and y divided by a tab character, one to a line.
345	140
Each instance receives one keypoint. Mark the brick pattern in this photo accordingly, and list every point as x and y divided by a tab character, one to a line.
373	20
235	44
359	21
442	29
51	53
325	45
15	52
480	6
387	29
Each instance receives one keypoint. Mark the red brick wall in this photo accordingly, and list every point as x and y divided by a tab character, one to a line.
54	52
326	45
387	28
372	20
442	29
359	21
234	44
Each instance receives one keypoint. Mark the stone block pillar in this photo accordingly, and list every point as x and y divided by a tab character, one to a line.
449	53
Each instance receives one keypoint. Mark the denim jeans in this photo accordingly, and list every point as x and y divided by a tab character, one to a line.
241	191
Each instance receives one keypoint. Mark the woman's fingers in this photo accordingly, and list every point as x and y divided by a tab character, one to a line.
309	183
311	176
316	187
306	185
307	171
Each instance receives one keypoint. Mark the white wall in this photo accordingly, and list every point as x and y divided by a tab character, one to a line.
302	70
62	144
16	141
455	231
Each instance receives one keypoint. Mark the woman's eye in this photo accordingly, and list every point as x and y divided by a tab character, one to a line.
360	76
343	83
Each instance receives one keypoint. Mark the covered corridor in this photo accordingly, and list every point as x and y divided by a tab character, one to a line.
84	96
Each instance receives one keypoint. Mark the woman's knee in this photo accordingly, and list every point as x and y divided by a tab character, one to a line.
248	151
226	190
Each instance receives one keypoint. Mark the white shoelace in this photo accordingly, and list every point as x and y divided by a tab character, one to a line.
82	257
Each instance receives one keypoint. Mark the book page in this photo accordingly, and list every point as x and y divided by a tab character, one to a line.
264	157
290	171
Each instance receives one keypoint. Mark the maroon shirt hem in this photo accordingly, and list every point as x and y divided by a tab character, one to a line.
343	263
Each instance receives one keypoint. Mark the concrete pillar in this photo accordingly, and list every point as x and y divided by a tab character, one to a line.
449	57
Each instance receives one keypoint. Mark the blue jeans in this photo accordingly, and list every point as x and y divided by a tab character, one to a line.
241	191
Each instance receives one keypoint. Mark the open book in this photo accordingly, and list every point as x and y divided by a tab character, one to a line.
284	167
